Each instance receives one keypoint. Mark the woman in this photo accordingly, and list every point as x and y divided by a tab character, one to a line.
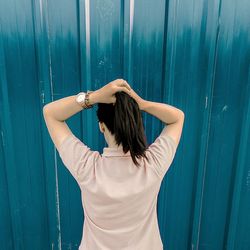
120	186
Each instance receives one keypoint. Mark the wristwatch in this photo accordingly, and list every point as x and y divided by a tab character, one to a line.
82	99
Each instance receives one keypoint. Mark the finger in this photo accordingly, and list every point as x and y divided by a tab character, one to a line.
125	89
125	84
121	82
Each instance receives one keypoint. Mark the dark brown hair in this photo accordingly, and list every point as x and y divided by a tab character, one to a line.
124	121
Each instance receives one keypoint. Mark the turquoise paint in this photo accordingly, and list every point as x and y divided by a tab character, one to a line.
193	55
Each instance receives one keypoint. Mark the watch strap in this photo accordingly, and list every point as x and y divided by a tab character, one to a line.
86	102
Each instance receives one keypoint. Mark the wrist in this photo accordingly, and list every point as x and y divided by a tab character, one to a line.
93	97
142	104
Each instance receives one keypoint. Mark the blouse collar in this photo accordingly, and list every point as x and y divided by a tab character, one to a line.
107	151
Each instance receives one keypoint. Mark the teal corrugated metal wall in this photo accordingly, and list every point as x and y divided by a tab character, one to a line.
192	54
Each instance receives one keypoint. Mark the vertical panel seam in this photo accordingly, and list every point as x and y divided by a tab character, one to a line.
209	123
55	157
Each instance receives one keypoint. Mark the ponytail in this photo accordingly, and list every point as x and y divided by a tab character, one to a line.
124	121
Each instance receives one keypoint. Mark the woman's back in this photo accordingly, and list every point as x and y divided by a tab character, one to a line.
119	199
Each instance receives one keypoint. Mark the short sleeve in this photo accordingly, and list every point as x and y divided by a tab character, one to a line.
78	158
162	152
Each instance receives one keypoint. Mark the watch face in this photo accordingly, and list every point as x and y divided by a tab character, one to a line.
81	98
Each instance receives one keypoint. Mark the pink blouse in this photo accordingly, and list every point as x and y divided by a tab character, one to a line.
118	198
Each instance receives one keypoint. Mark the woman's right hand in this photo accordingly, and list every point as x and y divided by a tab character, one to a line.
136	97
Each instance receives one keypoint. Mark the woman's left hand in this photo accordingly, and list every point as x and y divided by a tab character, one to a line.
106	94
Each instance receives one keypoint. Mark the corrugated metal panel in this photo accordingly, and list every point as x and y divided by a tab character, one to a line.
194	55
